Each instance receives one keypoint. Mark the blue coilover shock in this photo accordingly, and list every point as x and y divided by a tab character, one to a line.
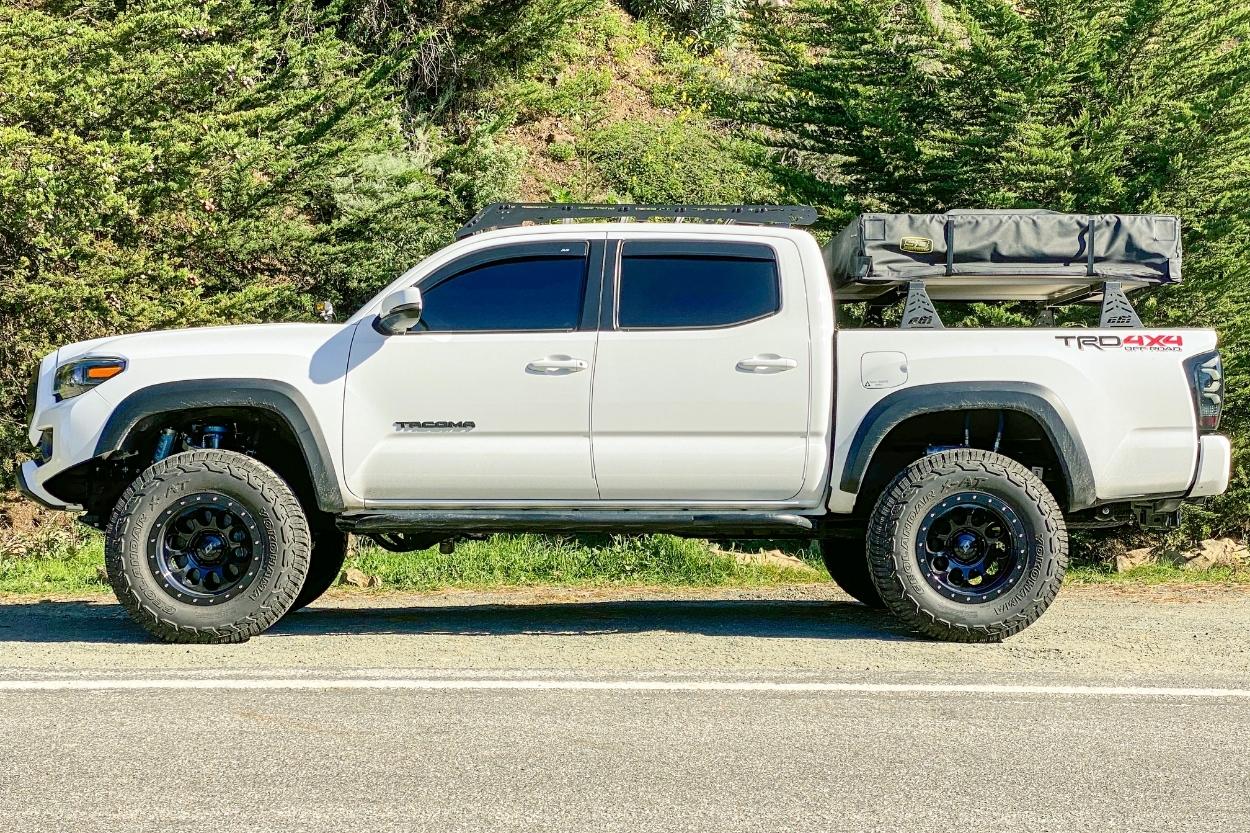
213	435
164	444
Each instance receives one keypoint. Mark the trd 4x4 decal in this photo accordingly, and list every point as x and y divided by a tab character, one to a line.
1154	342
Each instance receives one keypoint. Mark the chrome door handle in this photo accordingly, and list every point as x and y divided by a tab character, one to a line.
553	365
766	362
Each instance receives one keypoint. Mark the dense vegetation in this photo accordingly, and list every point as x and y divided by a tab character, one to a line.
1109	105
172	163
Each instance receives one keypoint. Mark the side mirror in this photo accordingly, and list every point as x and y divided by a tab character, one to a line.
401	310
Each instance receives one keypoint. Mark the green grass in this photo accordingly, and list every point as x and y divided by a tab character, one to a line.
68	569
501	561
578	94
536	561
532	560
1154	574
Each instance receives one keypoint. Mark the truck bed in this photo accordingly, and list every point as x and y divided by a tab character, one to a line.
1127	390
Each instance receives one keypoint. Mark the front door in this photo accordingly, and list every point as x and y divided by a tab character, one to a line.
487	398
702	385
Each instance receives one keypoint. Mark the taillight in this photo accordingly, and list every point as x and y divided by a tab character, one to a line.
1206	374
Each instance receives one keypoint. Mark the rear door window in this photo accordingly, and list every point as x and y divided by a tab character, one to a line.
695	286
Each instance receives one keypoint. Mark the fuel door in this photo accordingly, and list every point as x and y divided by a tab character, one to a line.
883	369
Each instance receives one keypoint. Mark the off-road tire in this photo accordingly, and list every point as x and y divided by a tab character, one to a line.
329	550
282	547
920	489
847	563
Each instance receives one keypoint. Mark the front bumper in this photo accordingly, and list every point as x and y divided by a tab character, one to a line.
28	484
1215	460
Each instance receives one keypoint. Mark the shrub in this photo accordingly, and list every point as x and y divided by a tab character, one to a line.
440	52
1104	106
578	93
678	160
561	151
177	164
486	170
709	23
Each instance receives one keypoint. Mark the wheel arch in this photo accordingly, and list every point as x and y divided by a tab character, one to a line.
1033	401
277	402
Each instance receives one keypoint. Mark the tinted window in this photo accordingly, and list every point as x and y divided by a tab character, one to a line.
695	290
521	293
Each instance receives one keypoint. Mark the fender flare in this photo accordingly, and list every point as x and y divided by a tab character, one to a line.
279	398
1025	397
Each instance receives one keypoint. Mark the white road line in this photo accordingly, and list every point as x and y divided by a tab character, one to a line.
307	684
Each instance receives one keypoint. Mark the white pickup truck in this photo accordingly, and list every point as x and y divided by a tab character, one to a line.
684	376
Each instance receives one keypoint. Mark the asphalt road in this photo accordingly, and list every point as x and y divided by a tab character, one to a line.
719	711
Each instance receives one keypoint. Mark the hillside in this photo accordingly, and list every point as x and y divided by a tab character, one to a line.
618	110
170	164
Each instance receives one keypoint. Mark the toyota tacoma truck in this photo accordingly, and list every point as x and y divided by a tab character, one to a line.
571	369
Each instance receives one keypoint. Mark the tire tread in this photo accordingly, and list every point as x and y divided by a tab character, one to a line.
883	530
291	528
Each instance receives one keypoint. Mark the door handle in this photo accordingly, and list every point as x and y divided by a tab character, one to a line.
556	365
767	363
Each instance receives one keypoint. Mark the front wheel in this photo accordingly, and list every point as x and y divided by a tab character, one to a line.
967	546
207	546
329	551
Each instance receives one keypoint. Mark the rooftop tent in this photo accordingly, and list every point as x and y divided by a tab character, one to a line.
1020	255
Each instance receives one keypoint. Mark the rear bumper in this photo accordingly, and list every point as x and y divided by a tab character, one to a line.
29	485
1215	458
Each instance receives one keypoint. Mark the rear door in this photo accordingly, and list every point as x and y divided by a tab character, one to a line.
702	373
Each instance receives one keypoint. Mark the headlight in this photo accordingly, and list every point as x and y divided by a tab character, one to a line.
80	375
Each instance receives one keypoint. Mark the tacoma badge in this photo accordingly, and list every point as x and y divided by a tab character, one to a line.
435	425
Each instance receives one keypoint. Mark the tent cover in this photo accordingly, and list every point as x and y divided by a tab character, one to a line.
1028	255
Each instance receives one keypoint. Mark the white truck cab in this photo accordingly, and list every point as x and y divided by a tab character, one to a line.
682	376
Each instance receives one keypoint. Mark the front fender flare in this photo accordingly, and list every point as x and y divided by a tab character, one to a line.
1025	397
276	397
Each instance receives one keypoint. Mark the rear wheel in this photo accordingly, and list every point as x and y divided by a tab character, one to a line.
847	563
967	546
207	546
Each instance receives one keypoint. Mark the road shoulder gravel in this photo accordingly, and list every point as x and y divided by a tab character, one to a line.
1190	635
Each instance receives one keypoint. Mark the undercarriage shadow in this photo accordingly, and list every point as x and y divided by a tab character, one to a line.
101	622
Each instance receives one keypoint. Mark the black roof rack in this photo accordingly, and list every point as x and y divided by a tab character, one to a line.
509	214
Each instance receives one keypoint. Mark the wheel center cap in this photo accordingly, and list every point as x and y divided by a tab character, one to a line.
964	546
209	547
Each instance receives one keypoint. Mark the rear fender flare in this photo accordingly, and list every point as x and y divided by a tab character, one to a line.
1036	401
